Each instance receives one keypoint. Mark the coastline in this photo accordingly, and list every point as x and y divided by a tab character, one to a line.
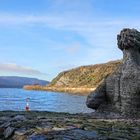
20	125
72	90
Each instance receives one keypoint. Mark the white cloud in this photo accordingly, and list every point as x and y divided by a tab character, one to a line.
17	69
74	48
63	22
96	32
99	34
67	23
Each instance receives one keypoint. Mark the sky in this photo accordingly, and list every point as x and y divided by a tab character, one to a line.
40	38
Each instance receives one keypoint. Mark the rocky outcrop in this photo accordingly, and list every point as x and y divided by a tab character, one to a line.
85	76
120	91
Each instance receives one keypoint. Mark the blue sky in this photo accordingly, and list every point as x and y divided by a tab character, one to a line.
40	38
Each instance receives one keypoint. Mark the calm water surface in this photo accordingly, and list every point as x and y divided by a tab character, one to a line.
15	99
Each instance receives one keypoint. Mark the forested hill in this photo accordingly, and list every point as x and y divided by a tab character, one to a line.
19	82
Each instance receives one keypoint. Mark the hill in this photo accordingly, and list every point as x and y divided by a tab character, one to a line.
85	76
19	82
81	80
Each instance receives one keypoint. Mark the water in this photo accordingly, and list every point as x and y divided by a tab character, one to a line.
15	99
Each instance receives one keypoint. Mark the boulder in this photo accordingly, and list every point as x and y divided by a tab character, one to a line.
19	118
8	132
120	91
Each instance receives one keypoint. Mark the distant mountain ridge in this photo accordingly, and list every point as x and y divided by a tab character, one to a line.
19	82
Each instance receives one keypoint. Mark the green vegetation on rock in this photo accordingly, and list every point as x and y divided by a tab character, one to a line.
82	80
85	76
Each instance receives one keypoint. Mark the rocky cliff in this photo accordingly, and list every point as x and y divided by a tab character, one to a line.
85	76
120	91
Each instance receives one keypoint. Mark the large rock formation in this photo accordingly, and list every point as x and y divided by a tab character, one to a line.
120	91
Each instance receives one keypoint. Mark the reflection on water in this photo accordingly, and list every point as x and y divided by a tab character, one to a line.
15	99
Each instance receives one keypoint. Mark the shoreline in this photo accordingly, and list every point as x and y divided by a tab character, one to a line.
72	90
20	125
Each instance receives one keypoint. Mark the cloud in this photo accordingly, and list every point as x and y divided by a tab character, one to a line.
17	69
93	30
99	34
61	22
10	19
74	48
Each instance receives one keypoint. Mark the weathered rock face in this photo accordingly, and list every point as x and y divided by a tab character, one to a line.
120	92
